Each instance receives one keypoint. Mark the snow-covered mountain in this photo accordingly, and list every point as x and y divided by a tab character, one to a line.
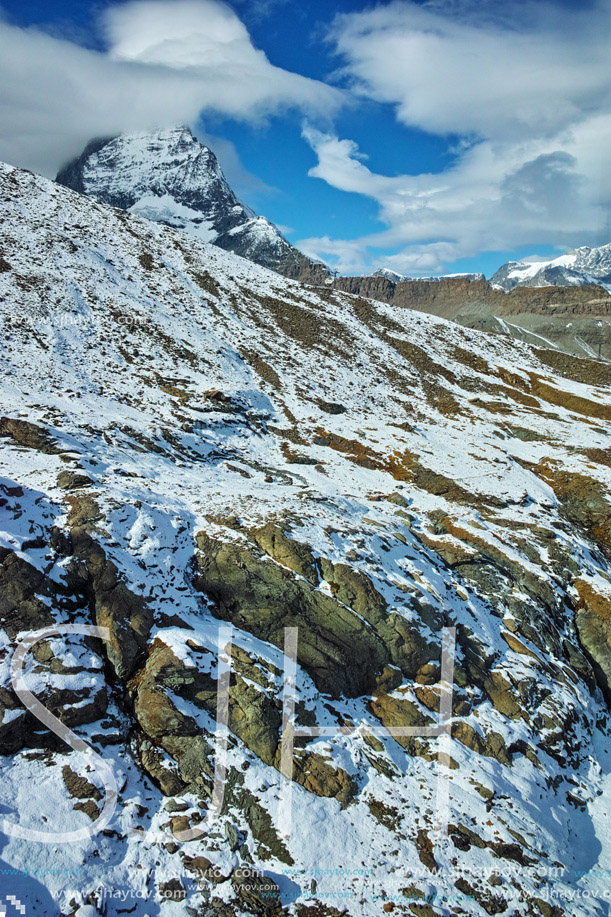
169	177
188	442
579	267
403	278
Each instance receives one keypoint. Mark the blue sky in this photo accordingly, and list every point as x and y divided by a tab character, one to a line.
449	135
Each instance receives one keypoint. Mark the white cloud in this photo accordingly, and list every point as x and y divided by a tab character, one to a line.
166	63
533	69
526	92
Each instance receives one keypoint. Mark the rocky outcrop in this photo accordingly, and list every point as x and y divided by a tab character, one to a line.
298	557
257	893
345	639
29	435
113	604
341	652
593	622
29	601
22	592
254	716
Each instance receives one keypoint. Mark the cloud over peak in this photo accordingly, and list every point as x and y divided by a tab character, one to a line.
166	63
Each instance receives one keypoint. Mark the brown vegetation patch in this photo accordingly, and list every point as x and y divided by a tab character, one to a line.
594	601
307	325
584	501
206	282
470	359
590	372
263	369
353	449
441	399
146	261
575	403
599	456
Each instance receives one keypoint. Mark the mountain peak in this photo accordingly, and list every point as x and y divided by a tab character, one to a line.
579	267
168	176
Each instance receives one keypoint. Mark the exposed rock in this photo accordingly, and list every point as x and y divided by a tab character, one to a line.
295	555
256	892
21	610
254	716
355	589
593	622
127	616
492	904
492	745
29	435
173	890
341	652
73	480
332	407
501	693
78	786
424	845
155	712
318	776
162	771
400	712
268	843
584	502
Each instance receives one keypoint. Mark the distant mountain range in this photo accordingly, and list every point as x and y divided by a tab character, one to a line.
575	319
170	177
581	267
404	278
577	268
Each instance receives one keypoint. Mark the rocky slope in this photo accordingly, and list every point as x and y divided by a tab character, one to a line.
580	267
574	320
190	442
170	177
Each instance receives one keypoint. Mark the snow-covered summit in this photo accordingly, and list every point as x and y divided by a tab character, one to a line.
170	177
393	277
578	267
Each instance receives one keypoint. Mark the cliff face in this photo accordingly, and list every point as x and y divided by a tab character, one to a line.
535	312
444	297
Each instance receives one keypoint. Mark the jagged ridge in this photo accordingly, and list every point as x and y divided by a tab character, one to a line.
169	177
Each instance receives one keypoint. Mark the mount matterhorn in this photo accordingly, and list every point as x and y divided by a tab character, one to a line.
170	177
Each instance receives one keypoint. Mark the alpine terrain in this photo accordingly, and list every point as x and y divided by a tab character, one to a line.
198	454
577	268
170	177
571	319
